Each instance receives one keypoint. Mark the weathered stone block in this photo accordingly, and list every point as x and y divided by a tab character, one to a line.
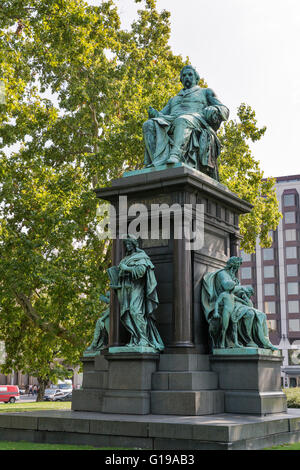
131	371
126	402
183	362
187	403
101	363
87	400
95	379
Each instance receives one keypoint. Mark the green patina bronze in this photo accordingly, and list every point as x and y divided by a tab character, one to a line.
227	306
135	284
100	338
185	129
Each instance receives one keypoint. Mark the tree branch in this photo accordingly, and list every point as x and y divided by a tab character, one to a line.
31	313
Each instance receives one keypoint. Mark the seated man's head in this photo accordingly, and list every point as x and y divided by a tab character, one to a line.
189	76
234	263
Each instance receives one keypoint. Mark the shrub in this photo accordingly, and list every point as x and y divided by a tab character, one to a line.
293	397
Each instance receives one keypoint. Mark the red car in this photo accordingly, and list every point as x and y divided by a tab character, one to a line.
9	393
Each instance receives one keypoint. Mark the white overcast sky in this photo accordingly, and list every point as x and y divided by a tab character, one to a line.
247	51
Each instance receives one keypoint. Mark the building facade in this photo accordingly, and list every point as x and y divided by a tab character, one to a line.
274	273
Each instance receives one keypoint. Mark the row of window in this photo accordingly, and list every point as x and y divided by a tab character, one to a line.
293	306
291	252
268	254
269	271
292	288
294	325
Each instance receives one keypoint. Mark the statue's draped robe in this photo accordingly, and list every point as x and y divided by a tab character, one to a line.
212	287
138	300
202	146
100	338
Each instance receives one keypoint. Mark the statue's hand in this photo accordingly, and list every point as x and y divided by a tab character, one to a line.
152	113
212	116
123	266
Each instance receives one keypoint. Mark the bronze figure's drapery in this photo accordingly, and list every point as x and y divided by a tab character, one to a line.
233	321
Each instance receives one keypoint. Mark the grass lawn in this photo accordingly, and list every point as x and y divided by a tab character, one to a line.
34	406
22	445
295	446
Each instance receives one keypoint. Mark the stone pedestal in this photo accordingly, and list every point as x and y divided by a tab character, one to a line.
129	383
250	379
183	380
116	383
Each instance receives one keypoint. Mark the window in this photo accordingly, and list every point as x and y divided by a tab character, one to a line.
292	270
290	235
270	307
292	288
289	200
245	257
293	306
290	217
269	289
291	252
269	271
272	325
246	273
268	254
294	324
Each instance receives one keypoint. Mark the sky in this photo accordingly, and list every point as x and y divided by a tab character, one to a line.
248	52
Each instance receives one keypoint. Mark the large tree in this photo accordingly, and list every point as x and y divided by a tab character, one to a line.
241	173
77	89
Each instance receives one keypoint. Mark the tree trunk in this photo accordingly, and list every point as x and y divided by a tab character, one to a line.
42	387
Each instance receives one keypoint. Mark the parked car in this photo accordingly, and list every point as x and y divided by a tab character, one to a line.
63	397
50	393
9	393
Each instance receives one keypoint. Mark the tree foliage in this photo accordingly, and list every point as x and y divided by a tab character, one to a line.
241	173
77	89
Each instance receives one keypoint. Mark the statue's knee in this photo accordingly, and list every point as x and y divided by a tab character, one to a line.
250	315
148	126
179	122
